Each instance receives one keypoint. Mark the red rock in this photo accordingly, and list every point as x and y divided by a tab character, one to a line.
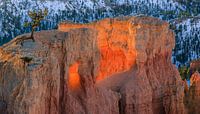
113	66
193	96
195	66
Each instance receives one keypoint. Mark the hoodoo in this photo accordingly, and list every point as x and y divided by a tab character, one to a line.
113	66
192	96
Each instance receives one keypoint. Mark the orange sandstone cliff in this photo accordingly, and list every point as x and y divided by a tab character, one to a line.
113	66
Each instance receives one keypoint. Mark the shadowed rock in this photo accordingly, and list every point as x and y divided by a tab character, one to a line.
3	107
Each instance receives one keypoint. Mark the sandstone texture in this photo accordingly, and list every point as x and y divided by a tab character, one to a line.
192	98
195	66
113	66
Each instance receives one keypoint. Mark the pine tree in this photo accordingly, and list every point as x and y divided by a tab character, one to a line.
36	17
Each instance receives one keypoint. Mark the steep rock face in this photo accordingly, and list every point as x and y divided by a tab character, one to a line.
193	96
114	66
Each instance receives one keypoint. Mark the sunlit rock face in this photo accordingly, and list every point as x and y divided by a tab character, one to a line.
115	41
113	66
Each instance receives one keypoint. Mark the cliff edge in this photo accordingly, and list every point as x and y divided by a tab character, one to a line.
113	66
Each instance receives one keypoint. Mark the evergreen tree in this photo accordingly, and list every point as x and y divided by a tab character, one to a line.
36	17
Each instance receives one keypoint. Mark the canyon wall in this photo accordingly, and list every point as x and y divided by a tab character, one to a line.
113	66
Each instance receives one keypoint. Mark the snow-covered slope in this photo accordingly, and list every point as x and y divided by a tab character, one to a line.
187	40
13	13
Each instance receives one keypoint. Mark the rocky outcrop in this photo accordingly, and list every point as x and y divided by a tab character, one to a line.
195	66
193	96
113	66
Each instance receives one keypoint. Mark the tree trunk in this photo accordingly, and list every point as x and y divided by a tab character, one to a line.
32	32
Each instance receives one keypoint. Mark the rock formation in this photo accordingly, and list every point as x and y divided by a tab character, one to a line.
113	66
193	96
195	66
